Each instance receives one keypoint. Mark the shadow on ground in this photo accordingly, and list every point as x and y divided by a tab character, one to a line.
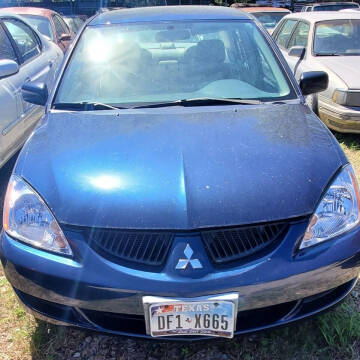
352	141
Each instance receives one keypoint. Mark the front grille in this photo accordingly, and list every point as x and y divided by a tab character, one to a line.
147	248
225	245
139	248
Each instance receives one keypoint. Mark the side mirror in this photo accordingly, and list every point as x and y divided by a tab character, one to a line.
35	93
297	51
65	37
8	67
312	82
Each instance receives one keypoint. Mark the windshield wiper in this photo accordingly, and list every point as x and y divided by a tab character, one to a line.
201	102
85	106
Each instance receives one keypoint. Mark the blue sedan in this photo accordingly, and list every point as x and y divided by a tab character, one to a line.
178	185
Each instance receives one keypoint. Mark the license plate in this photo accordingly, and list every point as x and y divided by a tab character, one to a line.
206	316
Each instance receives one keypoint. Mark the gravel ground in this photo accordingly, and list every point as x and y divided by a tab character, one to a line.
101	347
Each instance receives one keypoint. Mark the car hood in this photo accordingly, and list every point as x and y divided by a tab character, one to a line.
345	67
181	168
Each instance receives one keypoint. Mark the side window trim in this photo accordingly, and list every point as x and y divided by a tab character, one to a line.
56	35
18	53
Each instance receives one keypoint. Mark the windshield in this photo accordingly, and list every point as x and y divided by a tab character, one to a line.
269	19
41	23
337	37
335	7
161	62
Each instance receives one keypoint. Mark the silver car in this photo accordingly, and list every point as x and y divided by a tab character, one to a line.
330	6
326	41
25	56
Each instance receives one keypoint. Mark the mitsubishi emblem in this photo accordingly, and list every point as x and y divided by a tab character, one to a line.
183	263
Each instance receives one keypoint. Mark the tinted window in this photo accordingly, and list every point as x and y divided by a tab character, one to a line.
63	25
335	7
41	23
117	64
300	35
59	29
285	32
6	49
25	39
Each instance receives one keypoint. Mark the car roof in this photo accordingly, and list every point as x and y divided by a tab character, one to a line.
315	16
168	13
263	9
29	10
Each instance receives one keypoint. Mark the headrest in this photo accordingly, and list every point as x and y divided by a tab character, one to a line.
207	51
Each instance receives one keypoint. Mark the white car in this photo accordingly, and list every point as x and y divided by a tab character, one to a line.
350	10
326	41
25	55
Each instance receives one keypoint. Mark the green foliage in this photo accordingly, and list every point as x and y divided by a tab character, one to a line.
341	328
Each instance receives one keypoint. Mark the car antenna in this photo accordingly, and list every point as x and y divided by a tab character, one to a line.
301	57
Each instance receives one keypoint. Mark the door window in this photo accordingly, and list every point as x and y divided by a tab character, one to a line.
6	49
60	26
285	32
63	25
300	35
25	39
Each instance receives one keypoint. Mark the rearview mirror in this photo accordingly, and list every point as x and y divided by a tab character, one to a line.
35	93
173	35
312	82
65	37
8	67
297	51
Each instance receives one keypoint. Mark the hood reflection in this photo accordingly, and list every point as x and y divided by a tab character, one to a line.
108	182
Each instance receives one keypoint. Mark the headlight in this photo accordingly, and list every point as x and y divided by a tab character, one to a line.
347	97
337	212
28	219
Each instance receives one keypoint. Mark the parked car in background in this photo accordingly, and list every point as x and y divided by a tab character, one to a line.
47	22
180	190
74	22
25	56
327	41
330	6
268	16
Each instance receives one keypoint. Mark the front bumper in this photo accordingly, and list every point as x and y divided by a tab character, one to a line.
97	294
340	118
